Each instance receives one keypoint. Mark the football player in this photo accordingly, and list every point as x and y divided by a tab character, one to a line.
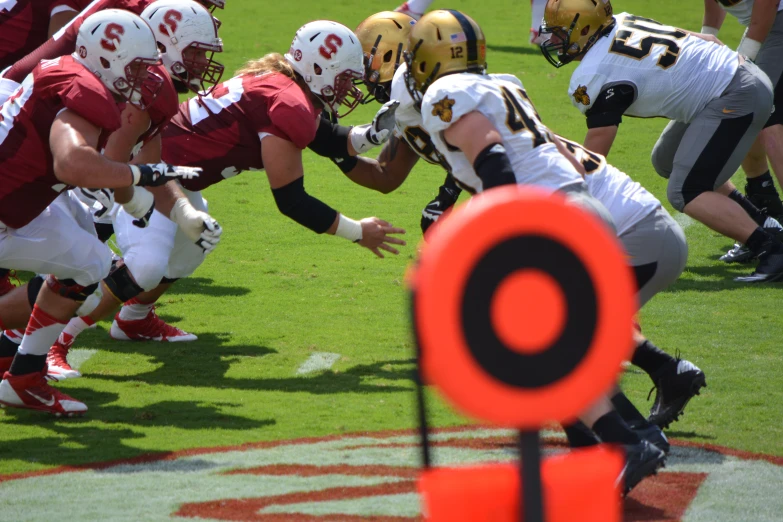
51	129
762	43
179	233
260	119
60	44
384	37
26	24
717	100
488	131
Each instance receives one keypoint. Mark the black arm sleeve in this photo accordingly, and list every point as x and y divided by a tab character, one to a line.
294	202
610	104
331	139
493	167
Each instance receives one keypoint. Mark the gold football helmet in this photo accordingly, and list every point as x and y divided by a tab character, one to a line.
443	42
384	37
574	26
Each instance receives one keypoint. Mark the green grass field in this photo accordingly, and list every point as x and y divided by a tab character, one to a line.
274	293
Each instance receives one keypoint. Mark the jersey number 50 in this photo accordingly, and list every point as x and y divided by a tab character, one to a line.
658	35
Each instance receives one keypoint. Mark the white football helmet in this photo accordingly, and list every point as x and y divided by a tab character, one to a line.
329	58
184	28
118	47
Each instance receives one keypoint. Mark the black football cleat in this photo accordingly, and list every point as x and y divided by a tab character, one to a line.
676	383
655	436
641	461
769	269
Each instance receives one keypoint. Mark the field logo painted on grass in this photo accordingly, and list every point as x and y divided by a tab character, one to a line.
365	477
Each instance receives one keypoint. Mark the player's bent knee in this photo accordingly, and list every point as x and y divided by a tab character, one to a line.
147	271
675	197
661	165
122	284
70	289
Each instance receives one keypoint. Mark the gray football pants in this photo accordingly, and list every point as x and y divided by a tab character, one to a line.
658	252
702	155
770	60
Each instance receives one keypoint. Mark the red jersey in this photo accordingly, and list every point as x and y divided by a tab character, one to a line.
27	181
221	133
24	25
64	41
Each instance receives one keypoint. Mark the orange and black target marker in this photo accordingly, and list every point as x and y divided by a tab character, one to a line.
522	306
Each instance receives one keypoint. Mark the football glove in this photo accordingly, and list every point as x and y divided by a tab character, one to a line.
156	174
103	196
140	206
448	194
365	137
199	226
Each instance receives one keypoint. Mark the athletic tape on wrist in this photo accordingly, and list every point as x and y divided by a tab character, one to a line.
349	229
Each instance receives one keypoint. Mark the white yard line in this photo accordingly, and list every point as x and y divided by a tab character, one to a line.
317	362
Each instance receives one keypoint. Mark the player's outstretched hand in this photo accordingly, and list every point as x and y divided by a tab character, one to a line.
156	174
365	137
375	236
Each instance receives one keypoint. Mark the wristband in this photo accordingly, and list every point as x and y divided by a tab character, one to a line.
349	229
749	48
135	174
706	29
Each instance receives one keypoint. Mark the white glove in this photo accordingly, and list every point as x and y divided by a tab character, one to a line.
365	137
140	206
156	174
199	226
103	196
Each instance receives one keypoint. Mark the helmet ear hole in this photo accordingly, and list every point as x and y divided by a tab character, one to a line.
388	56
105	63
586	30
422	67
317	69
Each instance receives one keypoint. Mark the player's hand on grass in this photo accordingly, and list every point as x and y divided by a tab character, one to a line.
376	236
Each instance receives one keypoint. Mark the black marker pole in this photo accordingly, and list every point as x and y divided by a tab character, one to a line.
531	495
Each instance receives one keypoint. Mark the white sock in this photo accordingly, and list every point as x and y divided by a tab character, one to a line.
419	6
74	327
537	7
41	333
135	311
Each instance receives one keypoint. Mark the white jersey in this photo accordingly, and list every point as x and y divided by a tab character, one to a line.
626	200
534	159
408	125
742	9
667	72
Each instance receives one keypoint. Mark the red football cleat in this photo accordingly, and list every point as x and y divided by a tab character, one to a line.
32	392
151	328
57	361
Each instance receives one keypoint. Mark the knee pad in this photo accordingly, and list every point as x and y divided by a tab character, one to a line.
121	284
69	289
33	287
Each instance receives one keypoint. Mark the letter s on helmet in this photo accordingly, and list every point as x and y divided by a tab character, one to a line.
118	47
328	56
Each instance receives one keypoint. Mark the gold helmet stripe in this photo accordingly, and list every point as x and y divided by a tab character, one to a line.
470	35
